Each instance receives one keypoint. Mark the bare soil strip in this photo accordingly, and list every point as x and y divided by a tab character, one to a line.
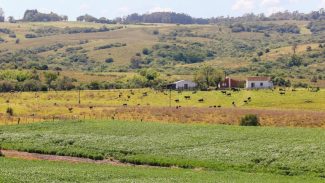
35	156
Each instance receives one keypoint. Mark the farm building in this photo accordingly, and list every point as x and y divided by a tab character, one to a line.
182	85
229	83
258	82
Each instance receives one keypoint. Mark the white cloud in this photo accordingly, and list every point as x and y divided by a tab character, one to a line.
84	7
275	9
270	2
160	9
244	5
123	11
322	4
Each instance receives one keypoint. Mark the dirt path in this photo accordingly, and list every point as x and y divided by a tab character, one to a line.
35	156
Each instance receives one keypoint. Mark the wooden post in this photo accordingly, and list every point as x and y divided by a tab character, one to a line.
170	97
79	100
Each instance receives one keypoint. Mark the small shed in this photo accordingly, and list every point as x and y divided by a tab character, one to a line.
259	82
182	85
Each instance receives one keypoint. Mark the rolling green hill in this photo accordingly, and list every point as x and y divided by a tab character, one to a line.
251	48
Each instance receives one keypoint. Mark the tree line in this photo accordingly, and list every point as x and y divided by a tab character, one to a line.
169	17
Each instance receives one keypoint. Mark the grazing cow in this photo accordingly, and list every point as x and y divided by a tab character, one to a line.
91	107
249	98
219	106
138	104
201	100
235	89
224	92
282	89
215	106
129	96
177	100
245	101
70	109
120	95
145	94
187	97
125	105
294	90
282	93
229	94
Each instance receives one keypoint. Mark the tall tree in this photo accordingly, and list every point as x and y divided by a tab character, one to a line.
2	15
208	76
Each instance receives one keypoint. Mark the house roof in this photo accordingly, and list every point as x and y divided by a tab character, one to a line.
183	81
259	78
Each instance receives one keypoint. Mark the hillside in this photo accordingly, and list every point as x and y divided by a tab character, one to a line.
240	49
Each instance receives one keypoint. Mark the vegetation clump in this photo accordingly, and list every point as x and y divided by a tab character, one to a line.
250	120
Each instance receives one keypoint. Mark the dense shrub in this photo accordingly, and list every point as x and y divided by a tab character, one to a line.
29	36
113	45
250	120
109	60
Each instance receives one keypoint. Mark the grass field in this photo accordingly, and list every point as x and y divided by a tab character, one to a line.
101	104
14	170
281	151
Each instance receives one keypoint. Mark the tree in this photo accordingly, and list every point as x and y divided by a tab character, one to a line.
50	77
11	19
314	79
295	61
136	62
208	76
2	15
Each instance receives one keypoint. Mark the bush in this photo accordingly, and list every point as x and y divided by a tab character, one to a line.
30	36
10	111
109	60
250	120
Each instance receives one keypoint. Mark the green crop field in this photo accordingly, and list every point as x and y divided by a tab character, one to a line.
279	151
15	170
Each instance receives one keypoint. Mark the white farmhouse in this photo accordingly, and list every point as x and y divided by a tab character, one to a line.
258	82
182	85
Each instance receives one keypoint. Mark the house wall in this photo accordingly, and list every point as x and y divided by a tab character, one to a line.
181	85
265	84
231	83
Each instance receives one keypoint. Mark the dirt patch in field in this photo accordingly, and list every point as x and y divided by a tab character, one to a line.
227	116
35	156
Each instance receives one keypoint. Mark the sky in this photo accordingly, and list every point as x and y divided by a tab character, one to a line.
196	8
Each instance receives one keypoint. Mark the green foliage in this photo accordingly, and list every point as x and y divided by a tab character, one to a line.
316	26
109	60
250	120
208	76
251	27
247	148
295	61
113	45
35	16
38	171
50	77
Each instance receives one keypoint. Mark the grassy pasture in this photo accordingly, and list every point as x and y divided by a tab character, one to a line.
36	106
281	151
15	170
